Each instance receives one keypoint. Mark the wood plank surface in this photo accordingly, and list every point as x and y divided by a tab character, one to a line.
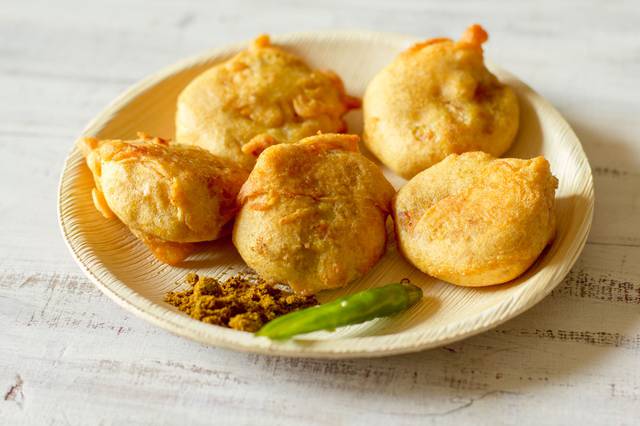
69	356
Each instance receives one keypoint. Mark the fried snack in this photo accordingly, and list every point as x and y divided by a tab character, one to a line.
435	99
169	195
474	220
313	214
261	97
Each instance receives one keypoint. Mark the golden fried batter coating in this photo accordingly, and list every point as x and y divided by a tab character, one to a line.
313	213
475	220
261	97
435	99
169	195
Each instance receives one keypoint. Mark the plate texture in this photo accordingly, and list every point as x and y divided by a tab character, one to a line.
124	270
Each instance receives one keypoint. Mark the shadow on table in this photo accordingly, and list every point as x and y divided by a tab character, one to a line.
556	343
601	145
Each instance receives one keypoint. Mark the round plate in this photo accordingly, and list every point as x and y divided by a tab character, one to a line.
125	270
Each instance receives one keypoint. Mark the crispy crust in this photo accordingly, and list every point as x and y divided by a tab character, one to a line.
475	220
169	195
313	213
435	99
261	97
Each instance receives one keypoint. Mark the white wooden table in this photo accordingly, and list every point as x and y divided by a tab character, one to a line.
68	355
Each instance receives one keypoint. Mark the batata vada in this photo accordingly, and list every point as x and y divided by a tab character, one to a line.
313	213
435	99
169	195
474	220
261	97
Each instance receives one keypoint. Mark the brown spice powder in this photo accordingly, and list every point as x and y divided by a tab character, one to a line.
238	302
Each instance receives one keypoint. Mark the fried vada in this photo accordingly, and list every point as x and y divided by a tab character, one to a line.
261	97
169	195
435	99
474	220
313	213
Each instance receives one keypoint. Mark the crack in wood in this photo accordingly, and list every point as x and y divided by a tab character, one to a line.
580	283
596	338
612	244
186	20
466	403
15	392
612	172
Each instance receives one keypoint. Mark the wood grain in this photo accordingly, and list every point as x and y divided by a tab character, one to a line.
70	356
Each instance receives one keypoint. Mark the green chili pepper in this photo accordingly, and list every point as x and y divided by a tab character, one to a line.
354	309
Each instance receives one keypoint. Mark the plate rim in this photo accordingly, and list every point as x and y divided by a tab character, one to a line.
224	339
